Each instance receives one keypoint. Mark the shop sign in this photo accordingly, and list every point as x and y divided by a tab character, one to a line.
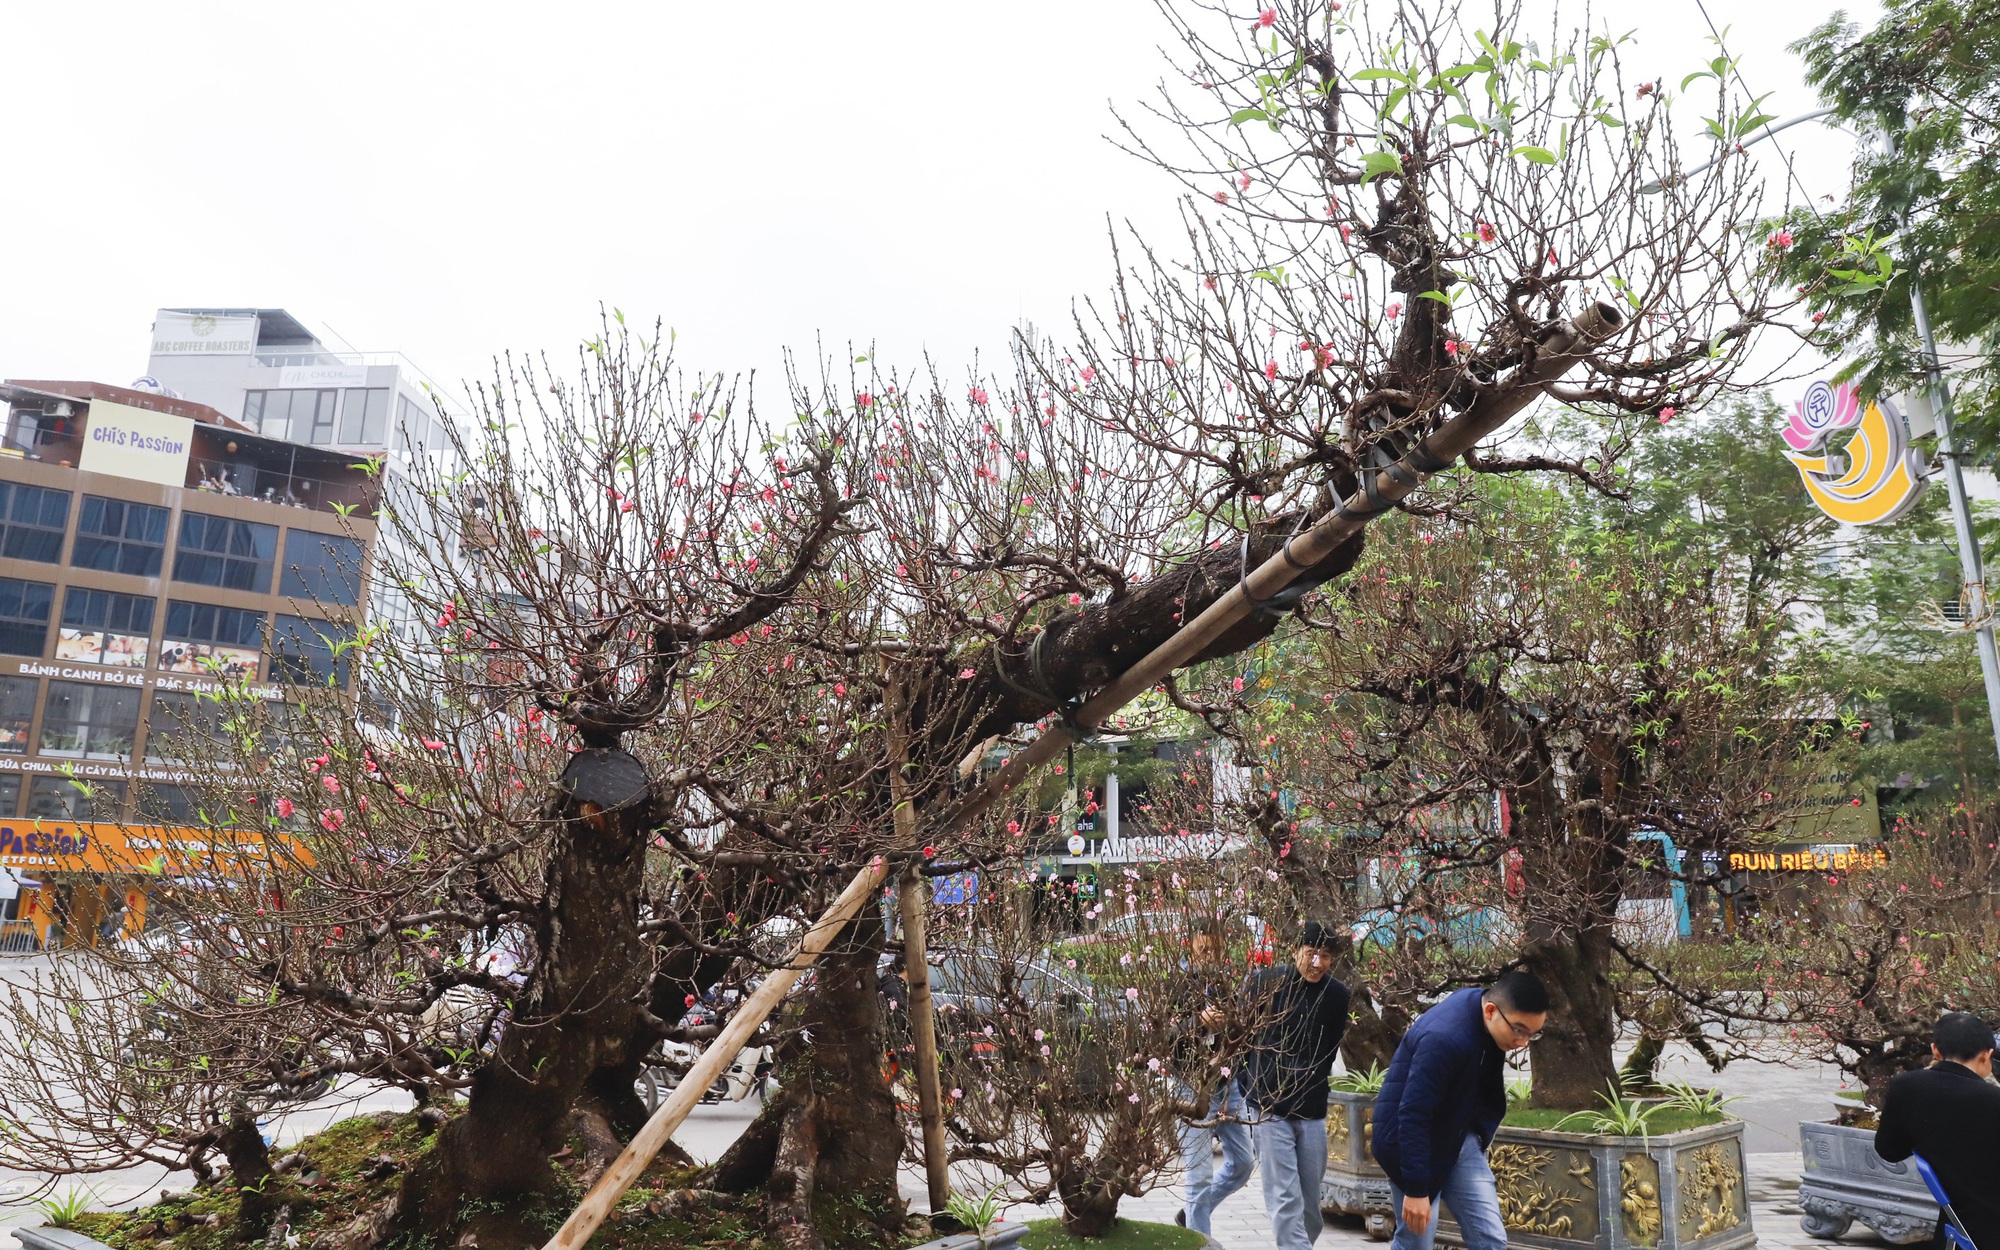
312	377
132	442
113	676
202	334
1813	859
1874	477
85	846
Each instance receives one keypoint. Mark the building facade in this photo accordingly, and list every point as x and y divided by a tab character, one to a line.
150	548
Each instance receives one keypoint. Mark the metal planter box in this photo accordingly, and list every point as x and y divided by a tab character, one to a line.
1353	1184
1672	1191
1845	1180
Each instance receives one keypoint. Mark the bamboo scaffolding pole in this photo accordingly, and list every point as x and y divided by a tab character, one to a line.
659	1129
916	953
1556	355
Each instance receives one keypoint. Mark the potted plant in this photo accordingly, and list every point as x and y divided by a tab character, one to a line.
1653	1174
1354	1184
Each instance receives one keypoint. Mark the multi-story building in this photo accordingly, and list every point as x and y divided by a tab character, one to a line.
150	546
263	368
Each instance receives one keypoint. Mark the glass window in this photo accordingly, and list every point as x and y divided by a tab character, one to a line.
207	638
178	724
10	794
59	798
322	414
323	568
85	720
105	627
270	412
411	421
235	555
17	709
170	804
303	651
34	518
364	417
24	615
113	536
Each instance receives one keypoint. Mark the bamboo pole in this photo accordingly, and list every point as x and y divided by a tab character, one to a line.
1557	355
659	1129
916	957
923	1031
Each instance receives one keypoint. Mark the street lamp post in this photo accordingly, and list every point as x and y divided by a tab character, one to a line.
1976	614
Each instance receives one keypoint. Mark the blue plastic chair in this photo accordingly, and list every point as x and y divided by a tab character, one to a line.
1954	1235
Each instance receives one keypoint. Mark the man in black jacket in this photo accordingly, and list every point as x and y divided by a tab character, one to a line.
1284	1081
1950	1115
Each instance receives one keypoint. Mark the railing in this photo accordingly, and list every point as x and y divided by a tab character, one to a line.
237	480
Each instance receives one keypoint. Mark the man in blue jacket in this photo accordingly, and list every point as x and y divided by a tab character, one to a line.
1441	1102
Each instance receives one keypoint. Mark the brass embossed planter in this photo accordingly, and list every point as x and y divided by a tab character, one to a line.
1671	1191
1353	1184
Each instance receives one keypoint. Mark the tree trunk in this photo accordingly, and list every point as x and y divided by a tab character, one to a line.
577	1015
1573	1068
1089	1208
826	1146
258	1188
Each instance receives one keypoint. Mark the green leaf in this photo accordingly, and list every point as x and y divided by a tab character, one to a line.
1395	98
1541	156
1439	296
1252	114
1745	125
1370	75
1375	164
1466	120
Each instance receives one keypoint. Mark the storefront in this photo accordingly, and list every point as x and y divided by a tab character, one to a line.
82	883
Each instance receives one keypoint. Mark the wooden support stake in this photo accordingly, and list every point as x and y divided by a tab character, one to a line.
916	954
923	1031
610	1187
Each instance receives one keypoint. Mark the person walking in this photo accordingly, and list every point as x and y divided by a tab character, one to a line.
1284	1081
1204	1186
1950	1115
1442	1101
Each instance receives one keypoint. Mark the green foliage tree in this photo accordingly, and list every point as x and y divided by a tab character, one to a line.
1922	90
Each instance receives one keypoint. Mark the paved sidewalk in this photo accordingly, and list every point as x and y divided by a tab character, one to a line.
1773	1182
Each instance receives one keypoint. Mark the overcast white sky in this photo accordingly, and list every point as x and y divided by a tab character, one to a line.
452	180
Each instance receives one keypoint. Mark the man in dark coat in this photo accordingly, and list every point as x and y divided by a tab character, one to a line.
1441	1103
1284	1081
1950	1115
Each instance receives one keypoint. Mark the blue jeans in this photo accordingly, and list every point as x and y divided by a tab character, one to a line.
1204	1186
1293	1156
1474	1200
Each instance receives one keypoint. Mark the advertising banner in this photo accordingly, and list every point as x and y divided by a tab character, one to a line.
131	442
199	334
93	646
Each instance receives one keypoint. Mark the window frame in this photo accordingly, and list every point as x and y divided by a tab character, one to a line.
90	729
226	558
16	532
121	543
9	622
